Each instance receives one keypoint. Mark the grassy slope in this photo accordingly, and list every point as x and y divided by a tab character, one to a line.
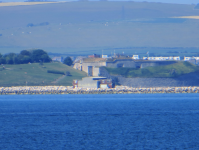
167	71
35	74
83	29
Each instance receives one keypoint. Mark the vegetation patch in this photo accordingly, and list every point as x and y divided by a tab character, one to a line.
55	72
167	71
25	56
35	74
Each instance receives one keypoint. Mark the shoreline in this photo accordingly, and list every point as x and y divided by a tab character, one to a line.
32	90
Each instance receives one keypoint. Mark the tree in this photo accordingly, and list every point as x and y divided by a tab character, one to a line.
9	60
17	60
2	60
40	54
25	52
68	61
10	55
45	58
25	57
25	60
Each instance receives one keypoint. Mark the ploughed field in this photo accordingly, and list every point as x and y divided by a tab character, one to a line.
36	74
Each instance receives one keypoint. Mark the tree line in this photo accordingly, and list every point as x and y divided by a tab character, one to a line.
25	56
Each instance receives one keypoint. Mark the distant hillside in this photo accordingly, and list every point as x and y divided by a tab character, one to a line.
167	71
89	27
35	74
24	3
197	6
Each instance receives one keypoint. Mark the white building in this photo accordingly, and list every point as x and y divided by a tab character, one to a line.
135	57
145	58
176	58
191	58
104	56
162	58
60	59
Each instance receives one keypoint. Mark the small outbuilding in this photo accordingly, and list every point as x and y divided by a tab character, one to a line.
93	82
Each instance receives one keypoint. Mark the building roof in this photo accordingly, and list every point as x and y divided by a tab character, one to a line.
96	78
56	57
94	60
99	78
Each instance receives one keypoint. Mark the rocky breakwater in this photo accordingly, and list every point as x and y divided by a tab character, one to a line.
71	90
36	90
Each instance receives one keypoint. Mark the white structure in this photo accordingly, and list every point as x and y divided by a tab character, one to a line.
176	58
187	58
135	57
145	58
191	58
93	82
60	59
90	65
104	56
162	58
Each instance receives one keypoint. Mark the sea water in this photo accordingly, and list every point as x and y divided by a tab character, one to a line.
99	122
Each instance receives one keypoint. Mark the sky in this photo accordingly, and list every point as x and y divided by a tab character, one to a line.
163	1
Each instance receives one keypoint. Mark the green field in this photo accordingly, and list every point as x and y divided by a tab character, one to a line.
35	74
168	71
82	28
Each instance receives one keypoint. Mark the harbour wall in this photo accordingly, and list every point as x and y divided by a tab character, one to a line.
70	90
190	79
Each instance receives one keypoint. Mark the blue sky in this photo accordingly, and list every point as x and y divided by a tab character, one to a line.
163	1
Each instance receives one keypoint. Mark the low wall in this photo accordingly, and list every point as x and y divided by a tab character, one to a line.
136	63
191	79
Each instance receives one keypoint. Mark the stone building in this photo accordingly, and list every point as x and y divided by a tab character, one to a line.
92	65
93	82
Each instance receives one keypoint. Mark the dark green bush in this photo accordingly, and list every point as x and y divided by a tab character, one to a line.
55	72
25	56
68	61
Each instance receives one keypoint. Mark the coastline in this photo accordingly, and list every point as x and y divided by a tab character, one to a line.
18	90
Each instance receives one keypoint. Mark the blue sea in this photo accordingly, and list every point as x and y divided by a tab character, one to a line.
99	122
